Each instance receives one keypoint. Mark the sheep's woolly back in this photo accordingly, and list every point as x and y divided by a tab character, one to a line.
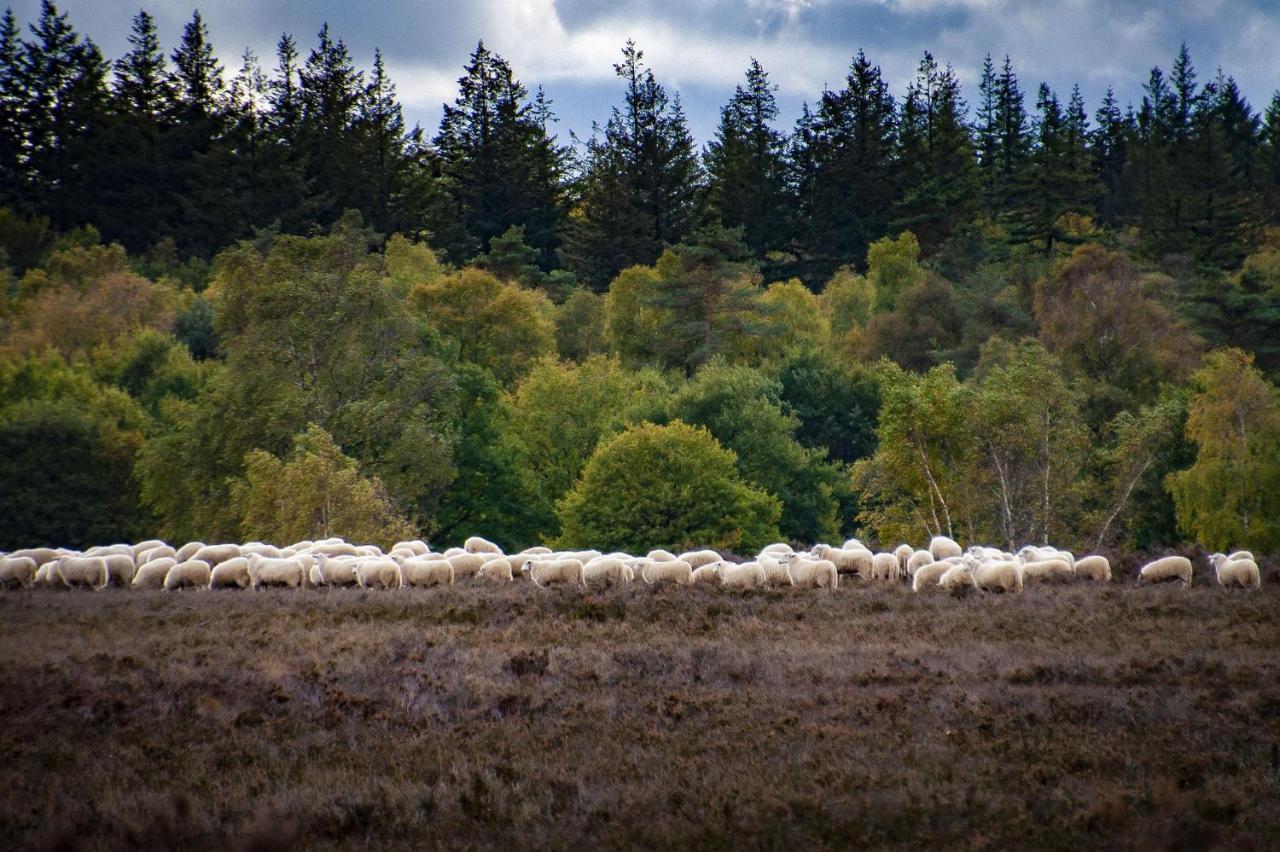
748	575
670	571
476	544
433	571
467	564
1096	568
955	577
88	571
232	574
1168	568
152	574
607	569
698	558
707	573
929	574
556	571
941	547
192	574
1236	572
884	566
497	570
917	561
998	577
1048	569
815	574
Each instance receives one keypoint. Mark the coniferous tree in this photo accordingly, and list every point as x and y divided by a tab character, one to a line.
12	131
329	92
1059	178
1270	150
1109	145
746	166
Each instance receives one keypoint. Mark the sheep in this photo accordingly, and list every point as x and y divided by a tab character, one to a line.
941	547
379	573
775	549
918	560
660	555
40	554
46	574
816	574
152	574
1094	568
454	551
369	551
777	569
232	574
121	567
998	576
330	549
467	564
1048	569
698	558
748	575
548	571
417	546
188	550
476	544
903	552
884	566
707	573
17	569
215	553
429	571
1240	554
957	578
850	560
268	550
194	573
1236	572
157	553
1168	568
539	550
583	556
143	546
287	572
929	574
88	571
334	571
1031	553
609	569
669	571
109	550
495	570
852	544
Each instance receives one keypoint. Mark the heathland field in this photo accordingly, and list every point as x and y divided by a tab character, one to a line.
1067	717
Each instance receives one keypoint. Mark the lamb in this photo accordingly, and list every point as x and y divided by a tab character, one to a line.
929	575
1236	572
918	560
429	571
1094	568
698	558
777	569
188	550
232	574
998	576
708	573
1168	568
467	564
90	571
215	553
660	555
941	547
290	572
549	571
121	567
194	573
495	570
671	571
379	573
608	569
748	575
152	574
476	544
854	560
816	574
884	566
1048	569
336	571
17	569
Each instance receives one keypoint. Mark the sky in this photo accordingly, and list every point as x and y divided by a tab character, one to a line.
701	48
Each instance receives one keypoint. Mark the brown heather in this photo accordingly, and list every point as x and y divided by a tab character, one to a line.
1069	717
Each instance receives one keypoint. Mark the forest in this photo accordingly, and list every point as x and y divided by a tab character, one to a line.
251	303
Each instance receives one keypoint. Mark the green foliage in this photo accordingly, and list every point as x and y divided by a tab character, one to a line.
848	299
580	325
788	315
149	366
665	486
893	266
317	492
632	318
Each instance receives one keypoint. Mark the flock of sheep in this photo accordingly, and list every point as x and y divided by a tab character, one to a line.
334	562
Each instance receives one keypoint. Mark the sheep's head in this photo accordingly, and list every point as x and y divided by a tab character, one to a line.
525	566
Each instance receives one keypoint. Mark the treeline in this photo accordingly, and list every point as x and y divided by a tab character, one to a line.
175	150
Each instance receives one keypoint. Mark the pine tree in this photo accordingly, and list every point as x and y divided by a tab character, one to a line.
746	166
197	73
1270	153
1109	146
12	124
1003	141
329	92
987	138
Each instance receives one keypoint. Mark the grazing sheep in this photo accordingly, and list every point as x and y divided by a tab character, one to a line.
1031	553
268	550
903	552
333	571
1168	568
476	544
929	574
152	574
815	574
232	574
90	571
918	560
429	571
1236	572
453	551
998	576
331	549
46	575
143	546
108	550
852	544
849	560
40	554
550	571
495	570
669	571
608	569
1240	554
192	574
748	575
121	567
956	578
1094	568
290	572
884	566
467	564
698	558
188	550
157	553
17	569
660	555
777	569
1048	569
941	547
708	573
379	572
776	549
215	553
417	546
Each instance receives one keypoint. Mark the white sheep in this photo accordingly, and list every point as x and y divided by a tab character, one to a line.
41	555
231	574
918	560
417	546
496	570
928	575
698	558
903	552
467	564
152	574
815	574
884	566
550	571
268	550
1168	568
90	571
157	553
852	544
121	567
143	546
333	571
941	547
777	568
956	577
18	569
379	572
1240	554
289	572
848	560
430	571
1236	572
215	553
776	549
998	576
707	573
660	555
1094	567
476	544
454	551
538	550
192	574
668	571
1048	569
46	575
607	569
188	550
748	575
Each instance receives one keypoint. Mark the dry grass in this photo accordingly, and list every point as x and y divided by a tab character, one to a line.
1069	716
